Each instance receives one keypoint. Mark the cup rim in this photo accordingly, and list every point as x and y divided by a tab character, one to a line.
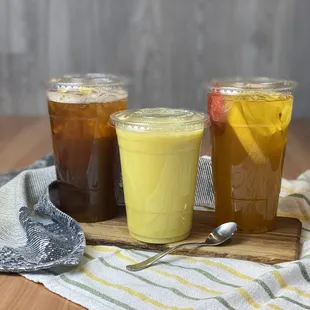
88	80
116	120
256	83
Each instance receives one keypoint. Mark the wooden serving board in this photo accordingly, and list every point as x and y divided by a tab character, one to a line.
280	245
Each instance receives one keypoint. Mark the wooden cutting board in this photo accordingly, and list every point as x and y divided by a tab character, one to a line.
280	245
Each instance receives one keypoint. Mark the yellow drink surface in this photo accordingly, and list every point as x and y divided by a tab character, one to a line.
159	172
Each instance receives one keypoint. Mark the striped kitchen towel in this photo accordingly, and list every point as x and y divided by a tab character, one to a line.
101	280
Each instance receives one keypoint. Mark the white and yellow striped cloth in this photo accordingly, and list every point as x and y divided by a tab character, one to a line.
101	281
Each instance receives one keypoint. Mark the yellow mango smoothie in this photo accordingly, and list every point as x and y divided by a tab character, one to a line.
159	151
249	123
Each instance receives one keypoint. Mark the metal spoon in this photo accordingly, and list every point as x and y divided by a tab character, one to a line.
218	236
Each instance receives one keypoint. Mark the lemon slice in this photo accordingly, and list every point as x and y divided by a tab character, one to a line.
62	90
242	130
261	126
86	90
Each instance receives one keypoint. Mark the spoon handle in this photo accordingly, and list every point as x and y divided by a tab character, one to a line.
151	260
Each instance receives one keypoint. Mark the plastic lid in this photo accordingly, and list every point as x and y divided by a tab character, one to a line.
238	84
90	87
73	81
158	119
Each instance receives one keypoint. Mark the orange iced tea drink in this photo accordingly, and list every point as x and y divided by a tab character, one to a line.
85	146
249	123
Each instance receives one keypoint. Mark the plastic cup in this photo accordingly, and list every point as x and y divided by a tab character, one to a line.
159	151
249	122
84	145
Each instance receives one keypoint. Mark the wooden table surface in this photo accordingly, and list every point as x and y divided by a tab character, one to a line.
25	139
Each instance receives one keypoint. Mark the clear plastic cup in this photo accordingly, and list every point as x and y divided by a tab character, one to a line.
85	146
159	151
249	122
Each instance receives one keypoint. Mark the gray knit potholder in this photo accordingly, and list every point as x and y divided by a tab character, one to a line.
35	235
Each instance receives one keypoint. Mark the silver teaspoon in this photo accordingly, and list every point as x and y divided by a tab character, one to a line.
218	236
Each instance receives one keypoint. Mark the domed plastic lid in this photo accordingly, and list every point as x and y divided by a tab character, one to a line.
158	119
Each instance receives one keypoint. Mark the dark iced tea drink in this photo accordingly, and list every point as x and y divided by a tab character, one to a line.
84	145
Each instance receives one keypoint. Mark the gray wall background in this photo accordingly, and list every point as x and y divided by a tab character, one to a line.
168	47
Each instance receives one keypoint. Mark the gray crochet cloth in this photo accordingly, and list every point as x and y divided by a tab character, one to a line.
35	235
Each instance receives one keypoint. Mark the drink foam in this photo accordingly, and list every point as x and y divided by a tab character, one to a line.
81	96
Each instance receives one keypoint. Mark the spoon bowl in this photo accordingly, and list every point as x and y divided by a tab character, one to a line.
221	233
218	236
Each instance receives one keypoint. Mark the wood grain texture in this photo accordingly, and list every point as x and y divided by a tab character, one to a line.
25	139
18	293
168	47
278	246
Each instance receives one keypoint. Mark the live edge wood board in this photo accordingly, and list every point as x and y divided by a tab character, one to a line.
279	245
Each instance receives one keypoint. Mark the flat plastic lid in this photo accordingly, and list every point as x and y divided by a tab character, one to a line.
87	88
158	119
74	81
251	84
